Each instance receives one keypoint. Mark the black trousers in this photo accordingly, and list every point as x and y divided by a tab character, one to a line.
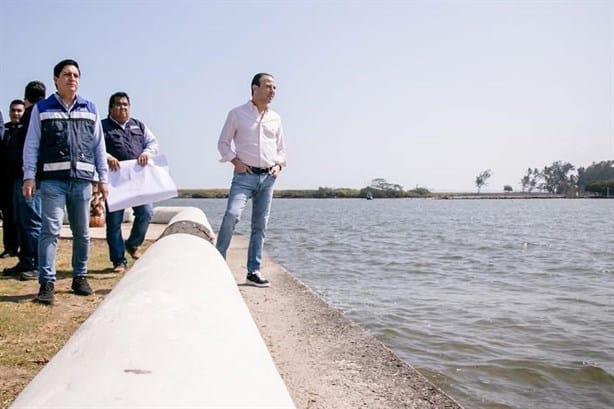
9	228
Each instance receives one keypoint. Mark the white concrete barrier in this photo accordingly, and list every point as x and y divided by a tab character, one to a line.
174	332
164	214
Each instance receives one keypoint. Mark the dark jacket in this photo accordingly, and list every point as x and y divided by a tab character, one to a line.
14	147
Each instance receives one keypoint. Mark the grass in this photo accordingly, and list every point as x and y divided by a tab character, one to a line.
30	333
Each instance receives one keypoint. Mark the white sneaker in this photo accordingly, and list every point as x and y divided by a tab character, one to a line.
256	280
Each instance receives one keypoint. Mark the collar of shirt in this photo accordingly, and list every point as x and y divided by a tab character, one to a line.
61	101
123	126
255	107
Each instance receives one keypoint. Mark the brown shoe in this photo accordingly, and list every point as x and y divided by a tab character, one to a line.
134	252
119	268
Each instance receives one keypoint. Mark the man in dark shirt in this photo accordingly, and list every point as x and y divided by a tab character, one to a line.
10	236
27	211
1	159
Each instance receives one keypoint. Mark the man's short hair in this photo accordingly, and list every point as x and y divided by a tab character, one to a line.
256	79
16	102
60	66
35	91
119	94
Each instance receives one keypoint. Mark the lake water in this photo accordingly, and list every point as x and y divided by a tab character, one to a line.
501	303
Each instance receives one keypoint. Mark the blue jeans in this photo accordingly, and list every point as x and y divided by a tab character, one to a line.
247	186
28	220
117	248
76	196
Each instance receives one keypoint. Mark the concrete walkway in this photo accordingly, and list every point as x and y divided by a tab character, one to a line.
154	231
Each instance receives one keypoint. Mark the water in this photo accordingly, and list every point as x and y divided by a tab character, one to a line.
501	303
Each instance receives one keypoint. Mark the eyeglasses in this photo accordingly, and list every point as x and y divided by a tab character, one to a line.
121	104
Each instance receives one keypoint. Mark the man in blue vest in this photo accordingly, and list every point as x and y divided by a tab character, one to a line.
126	138
63	151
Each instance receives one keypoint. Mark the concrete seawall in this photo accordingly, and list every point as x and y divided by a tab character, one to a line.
174	332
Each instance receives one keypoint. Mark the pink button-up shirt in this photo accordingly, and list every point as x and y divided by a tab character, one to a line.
258	138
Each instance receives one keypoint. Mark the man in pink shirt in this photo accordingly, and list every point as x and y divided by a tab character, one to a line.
252	140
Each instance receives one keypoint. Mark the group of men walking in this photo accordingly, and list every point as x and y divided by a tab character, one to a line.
57	147
55	151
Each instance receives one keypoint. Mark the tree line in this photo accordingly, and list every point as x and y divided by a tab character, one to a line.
559	178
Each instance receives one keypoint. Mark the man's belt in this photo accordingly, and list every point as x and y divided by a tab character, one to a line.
259	171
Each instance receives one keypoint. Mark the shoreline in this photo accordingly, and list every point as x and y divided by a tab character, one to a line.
327	360
355	194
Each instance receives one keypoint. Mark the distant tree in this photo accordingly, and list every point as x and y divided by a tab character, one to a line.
480	180
537	180
508	188
601	171
533	179
526	180
382	184
379	187
557	178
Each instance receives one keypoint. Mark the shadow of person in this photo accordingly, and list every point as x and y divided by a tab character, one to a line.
17	298
105	271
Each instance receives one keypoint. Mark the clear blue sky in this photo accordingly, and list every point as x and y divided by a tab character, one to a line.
426	93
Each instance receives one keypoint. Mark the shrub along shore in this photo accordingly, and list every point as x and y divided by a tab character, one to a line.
346	193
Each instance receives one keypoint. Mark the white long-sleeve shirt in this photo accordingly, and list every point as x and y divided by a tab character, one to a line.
258	138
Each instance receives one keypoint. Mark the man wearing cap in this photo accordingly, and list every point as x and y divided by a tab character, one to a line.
258	156
63	152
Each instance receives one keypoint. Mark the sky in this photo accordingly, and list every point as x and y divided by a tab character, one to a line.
420	93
